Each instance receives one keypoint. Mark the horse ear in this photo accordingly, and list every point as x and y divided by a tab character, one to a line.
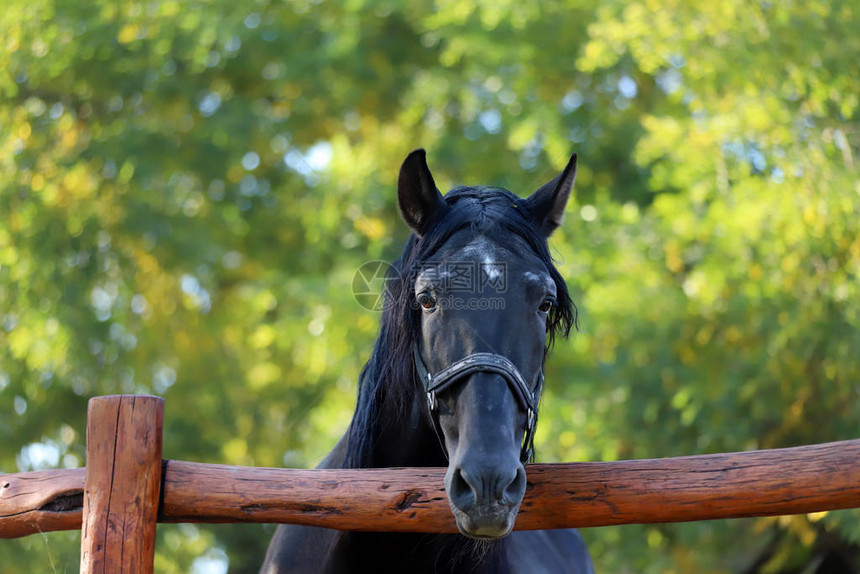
421	204
547	203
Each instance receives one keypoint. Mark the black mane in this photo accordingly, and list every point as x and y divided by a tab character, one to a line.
387	384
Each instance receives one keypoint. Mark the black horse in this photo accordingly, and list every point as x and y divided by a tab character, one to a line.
471	308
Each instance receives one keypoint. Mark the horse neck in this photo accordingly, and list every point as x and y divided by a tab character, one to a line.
407	439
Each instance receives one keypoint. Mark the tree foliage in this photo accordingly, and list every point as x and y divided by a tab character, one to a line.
187	189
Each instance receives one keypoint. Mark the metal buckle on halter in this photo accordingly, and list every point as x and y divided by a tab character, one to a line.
531	419
431	394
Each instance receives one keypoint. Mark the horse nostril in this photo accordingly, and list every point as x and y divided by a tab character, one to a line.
466	489
460	491
516	488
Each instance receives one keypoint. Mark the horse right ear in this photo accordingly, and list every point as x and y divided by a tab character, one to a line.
421	204
547	203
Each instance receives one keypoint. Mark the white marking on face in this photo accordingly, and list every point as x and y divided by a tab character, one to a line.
481	247
484	248
492	269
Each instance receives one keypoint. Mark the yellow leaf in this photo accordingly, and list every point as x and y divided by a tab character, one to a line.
263	374
371	227
127	33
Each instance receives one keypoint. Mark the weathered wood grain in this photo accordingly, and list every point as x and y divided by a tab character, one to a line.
758	483
41	501
122	484
393	499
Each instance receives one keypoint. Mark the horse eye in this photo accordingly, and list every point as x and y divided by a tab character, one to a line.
427	302
546	306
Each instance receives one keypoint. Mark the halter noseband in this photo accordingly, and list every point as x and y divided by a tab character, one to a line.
487	363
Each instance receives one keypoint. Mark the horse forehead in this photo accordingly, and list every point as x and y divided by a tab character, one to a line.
498	263
515	259
486	251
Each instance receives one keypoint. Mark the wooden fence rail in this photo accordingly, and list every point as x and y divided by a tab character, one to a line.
134	482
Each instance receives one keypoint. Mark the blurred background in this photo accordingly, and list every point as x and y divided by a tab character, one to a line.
188	188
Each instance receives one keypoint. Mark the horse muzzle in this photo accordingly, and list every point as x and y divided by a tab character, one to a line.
485	503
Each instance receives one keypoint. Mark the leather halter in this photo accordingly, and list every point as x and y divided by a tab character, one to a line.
487	363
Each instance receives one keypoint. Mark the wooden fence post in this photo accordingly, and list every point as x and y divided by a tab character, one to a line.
122	485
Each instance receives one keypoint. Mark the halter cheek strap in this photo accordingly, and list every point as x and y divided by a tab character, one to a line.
487	363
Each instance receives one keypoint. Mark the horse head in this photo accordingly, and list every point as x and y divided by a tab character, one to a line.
487	303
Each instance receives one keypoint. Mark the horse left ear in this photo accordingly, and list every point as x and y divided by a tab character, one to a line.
547	204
